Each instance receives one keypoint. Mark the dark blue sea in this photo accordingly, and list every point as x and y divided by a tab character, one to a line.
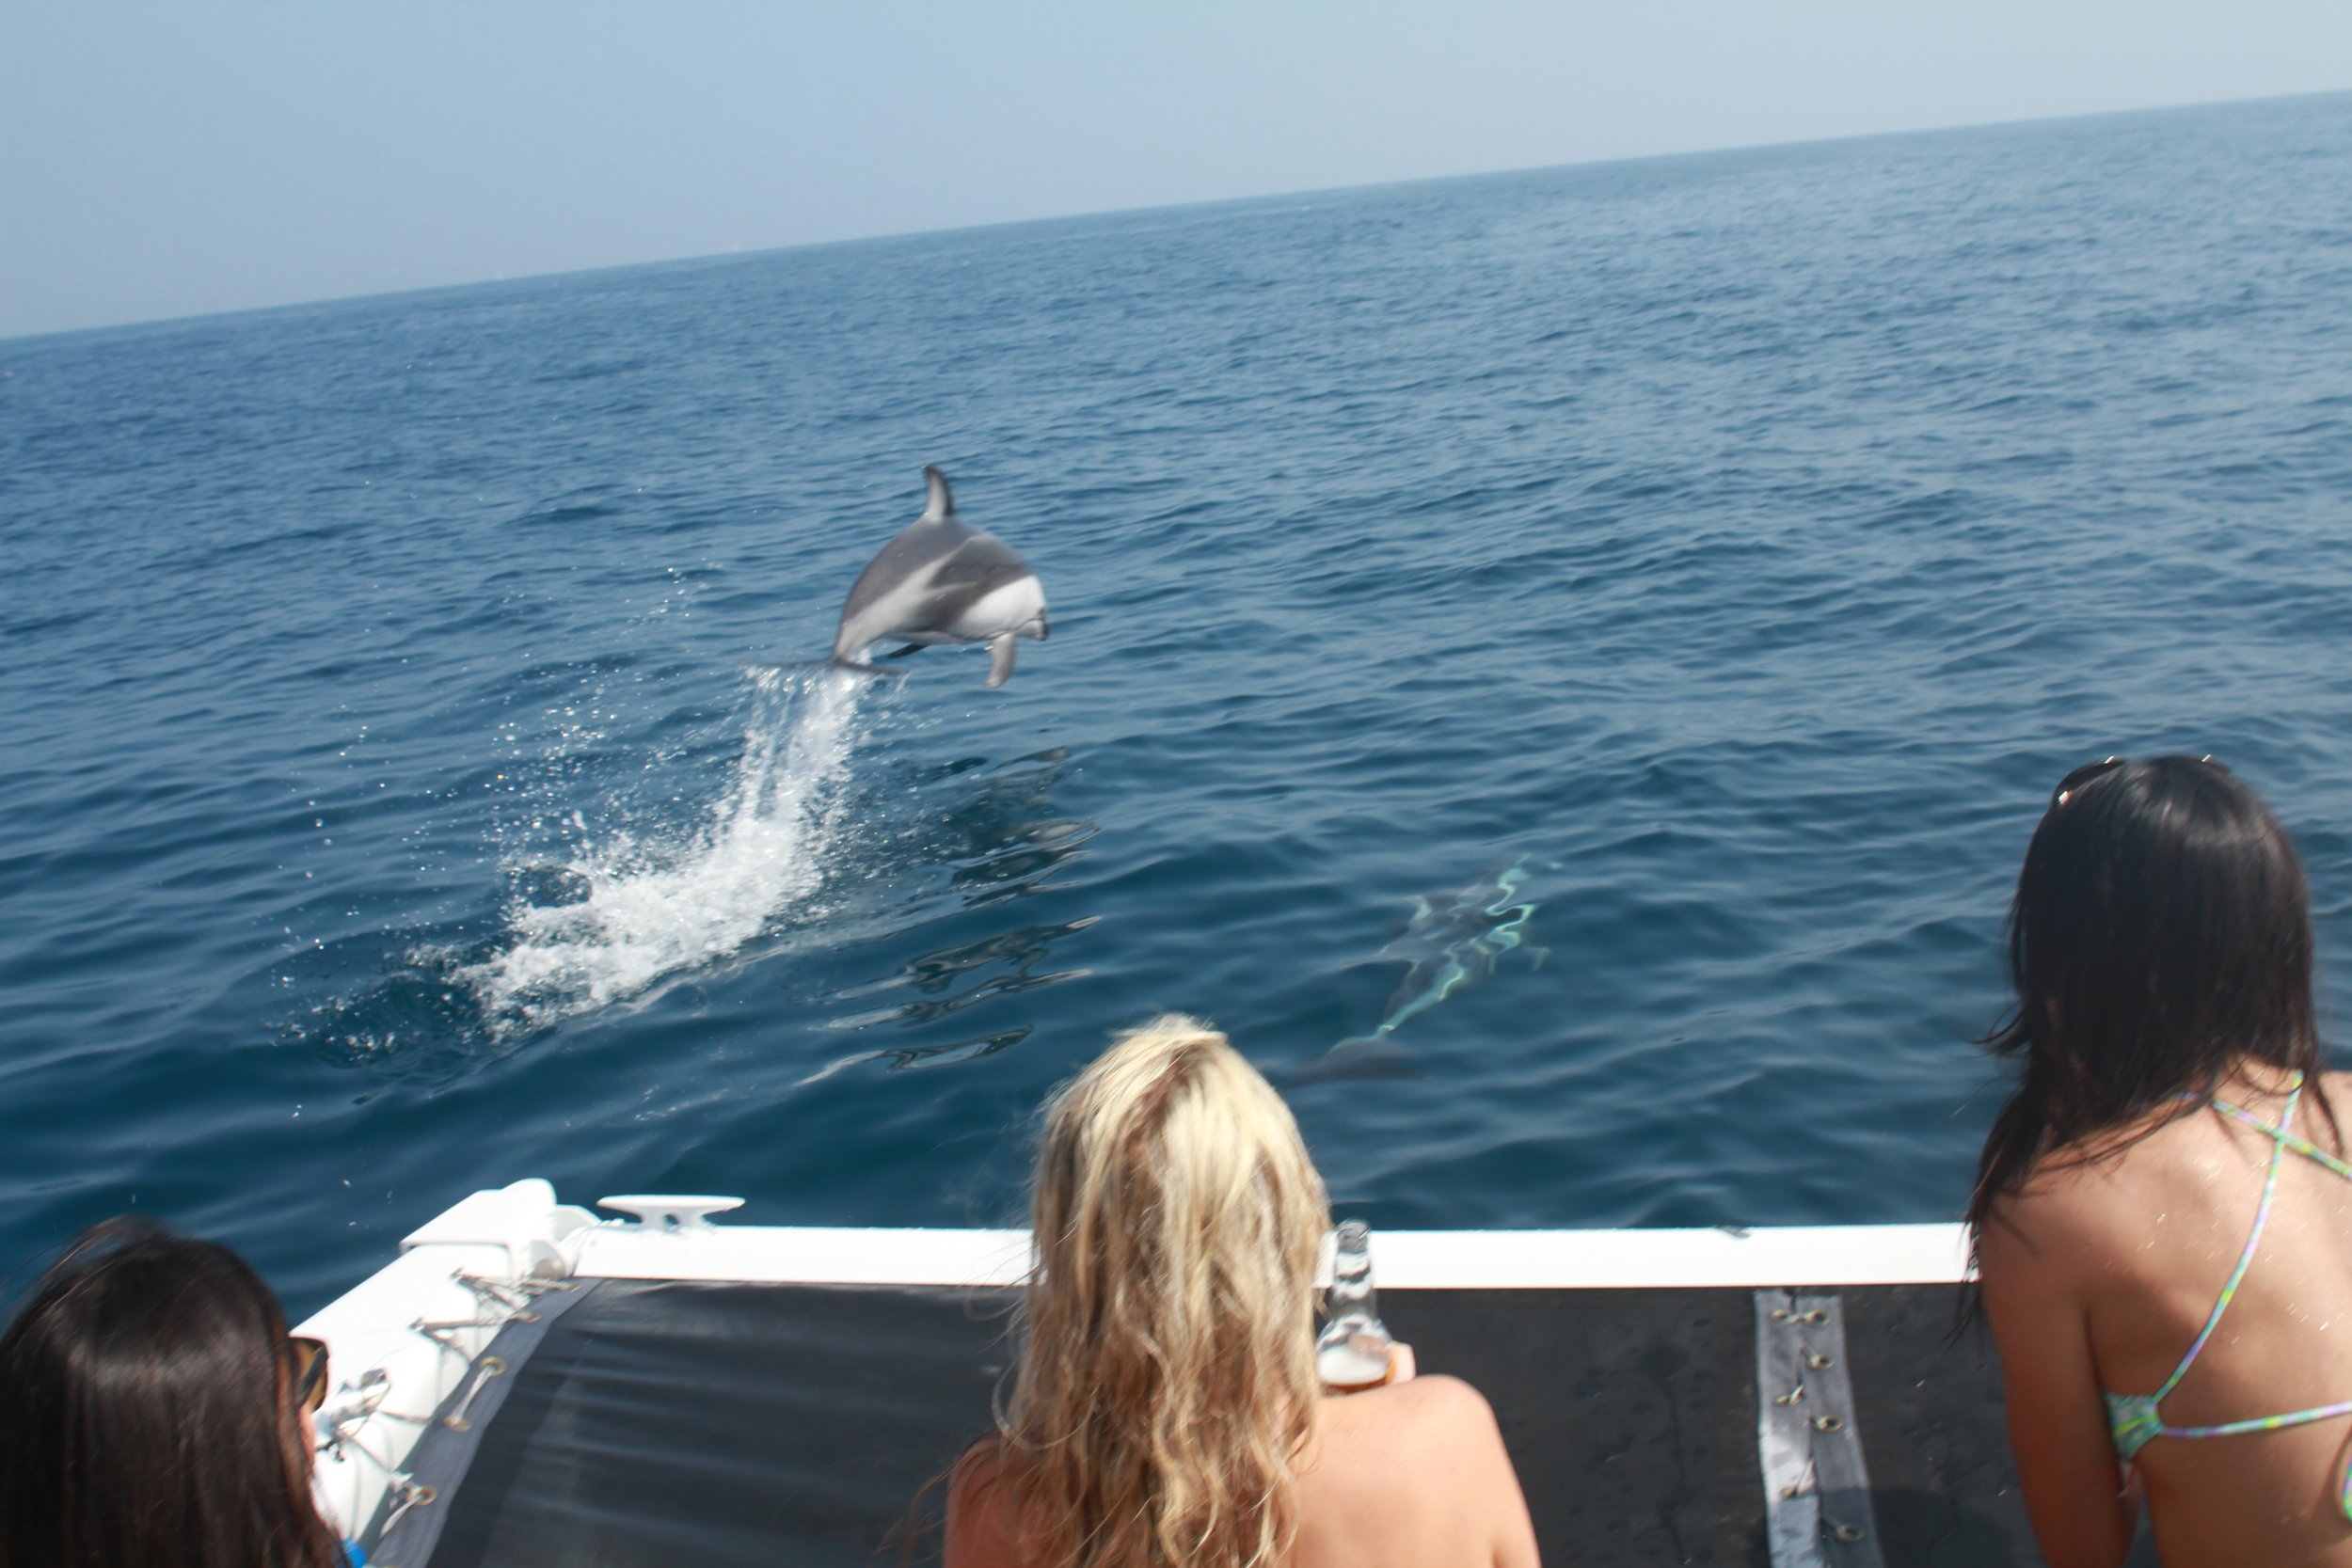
1726	552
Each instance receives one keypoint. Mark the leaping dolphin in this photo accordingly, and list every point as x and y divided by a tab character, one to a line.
943	581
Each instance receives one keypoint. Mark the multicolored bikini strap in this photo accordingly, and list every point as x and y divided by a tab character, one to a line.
2134	1418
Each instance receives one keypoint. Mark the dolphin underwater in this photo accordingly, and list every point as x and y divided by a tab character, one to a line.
942	580
1451	942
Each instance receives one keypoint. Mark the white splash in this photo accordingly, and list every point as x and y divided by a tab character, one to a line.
652	910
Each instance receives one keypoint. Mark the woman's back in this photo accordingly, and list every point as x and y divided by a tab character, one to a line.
2139	1245
1414	1475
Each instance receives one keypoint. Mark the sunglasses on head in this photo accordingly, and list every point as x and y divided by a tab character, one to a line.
306	1366
2088	773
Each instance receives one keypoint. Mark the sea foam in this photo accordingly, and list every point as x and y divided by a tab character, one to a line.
648	908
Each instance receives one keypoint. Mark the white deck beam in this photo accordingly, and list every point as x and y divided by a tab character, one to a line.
1812	1256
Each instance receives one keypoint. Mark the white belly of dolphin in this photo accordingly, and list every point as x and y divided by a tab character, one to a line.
1009	608
908	615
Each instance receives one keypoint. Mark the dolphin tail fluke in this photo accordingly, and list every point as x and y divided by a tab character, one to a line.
1000	649
1370	1056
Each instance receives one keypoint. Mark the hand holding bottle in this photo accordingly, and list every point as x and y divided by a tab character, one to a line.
1355	1350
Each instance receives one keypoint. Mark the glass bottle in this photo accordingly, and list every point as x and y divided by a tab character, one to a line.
1353	1350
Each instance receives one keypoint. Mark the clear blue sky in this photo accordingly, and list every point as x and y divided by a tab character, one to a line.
171	157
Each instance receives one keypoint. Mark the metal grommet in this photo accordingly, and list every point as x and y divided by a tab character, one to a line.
421	1496
1792	1491
1816	1316
1818	1361
1782	1314
1829	1423
491	1366
1848	1533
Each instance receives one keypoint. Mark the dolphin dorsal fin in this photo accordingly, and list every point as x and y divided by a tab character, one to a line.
942	502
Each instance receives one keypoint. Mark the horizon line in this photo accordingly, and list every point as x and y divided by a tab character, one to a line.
134	324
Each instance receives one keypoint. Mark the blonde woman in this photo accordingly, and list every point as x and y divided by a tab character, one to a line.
1167	1412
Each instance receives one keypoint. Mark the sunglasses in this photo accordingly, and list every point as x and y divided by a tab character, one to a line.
306	1366
2091	772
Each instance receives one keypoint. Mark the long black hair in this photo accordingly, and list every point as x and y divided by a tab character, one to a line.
145	1418
2160	937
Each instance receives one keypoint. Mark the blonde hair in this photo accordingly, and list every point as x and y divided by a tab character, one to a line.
1169	1376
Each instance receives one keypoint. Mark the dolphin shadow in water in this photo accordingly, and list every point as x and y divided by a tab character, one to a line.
1453	942
941	580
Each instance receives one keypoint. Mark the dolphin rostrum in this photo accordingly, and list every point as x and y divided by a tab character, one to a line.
1451	942
943	581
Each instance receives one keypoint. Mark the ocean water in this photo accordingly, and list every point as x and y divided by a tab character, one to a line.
1727	551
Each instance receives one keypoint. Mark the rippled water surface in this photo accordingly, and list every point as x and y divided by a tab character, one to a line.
1618	624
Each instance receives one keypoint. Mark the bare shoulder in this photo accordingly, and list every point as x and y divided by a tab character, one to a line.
1432	1419
2047	1222
1446	1402
978	1467
1437	1396
2335	1104
2084	1215
980	1516
1415	1473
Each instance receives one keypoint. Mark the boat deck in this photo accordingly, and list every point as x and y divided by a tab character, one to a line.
661	1424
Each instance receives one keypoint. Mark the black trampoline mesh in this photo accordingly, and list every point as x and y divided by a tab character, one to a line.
663	1425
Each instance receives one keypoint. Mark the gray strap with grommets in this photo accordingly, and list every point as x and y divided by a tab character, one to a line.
1817	1491
438	1462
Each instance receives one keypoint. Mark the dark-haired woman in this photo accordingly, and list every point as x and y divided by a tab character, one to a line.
2163	1213
153	1413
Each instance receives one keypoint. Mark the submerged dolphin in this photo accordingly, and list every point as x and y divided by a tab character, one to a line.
1451	942
943	581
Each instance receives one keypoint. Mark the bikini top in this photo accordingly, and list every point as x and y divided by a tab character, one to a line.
2133	1419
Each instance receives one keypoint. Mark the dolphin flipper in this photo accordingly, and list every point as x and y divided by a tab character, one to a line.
1000	650
902	653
